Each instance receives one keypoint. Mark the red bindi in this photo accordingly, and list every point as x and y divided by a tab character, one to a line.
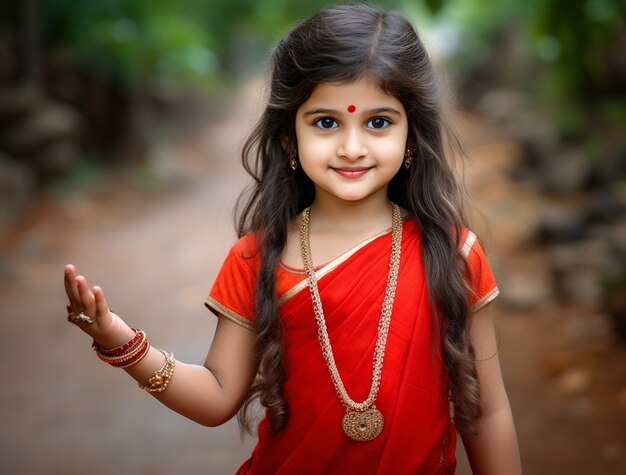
351	109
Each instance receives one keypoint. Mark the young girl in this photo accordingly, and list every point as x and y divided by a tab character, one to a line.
353	306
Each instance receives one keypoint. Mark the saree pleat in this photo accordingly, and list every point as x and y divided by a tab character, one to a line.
418	436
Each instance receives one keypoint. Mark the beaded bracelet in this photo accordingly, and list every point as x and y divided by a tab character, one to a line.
162	377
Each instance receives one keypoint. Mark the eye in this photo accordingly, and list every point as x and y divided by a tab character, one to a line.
378	123
326	123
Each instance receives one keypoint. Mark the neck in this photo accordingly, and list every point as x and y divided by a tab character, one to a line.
332	214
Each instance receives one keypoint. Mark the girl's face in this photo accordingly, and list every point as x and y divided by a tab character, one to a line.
351	140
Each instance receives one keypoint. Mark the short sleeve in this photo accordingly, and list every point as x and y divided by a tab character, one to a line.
233	291
482	283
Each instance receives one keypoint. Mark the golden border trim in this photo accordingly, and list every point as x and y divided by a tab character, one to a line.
342	257
221	310
332	265
468	244
491	295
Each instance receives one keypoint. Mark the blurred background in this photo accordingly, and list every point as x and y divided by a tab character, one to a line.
121	125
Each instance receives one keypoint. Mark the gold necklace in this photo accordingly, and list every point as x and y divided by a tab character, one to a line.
362	421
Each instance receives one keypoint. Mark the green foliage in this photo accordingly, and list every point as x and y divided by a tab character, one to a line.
434	6
476	27
569	40
579	36
130	39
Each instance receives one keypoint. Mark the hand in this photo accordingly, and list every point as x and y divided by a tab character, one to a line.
108	330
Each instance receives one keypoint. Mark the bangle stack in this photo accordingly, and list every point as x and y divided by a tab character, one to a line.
131	353
126	355
158	383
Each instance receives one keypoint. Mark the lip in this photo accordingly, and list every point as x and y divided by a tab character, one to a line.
352	172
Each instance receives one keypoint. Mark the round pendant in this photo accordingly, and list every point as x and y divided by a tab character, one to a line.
362	426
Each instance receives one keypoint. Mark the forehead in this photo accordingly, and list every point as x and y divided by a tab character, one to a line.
363	94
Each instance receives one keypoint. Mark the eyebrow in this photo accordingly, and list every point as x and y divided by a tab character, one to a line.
379	110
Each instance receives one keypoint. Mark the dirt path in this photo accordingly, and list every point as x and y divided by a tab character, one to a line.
565	375
156	257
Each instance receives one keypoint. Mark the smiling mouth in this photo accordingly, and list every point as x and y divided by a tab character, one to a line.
352	172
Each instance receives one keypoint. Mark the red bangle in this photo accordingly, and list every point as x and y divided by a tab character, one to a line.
124	357
127	354
134	359
122	349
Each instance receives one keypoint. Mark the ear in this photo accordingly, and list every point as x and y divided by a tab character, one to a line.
288	145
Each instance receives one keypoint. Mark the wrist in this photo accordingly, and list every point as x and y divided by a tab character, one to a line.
129	354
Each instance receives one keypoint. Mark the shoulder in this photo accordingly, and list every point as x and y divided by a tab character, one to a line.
471	249
243	258
233	292
246	248
469	243
480	276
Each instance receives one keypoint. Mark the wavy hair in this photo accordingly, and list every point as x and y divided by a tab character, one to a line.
345	44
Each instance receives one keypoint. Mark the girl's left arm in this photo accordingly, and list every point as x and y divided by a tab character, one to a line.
492	446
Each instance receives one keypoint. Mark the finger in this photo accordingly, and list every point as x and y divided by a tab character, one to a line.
102	309
67	271
87	300
71	289
68	277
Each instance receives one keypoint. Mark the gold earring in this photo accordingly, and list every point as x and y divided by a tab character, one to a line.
408	158
292	160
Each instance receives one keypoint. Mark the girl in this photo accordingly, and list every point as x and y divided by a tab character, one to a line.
353	253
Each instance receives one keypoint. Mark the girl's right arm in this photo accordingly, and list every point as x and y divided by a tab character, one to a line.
210	394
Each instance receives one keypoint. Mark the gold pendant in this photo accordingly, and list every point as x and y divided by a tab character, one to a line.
362	426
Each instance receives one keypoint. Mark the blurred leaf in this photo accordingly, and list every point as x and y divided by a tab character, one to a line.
434	5
131	39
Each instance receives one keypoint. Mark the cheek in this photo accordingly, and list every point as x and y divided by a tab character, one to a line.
312	149
397	147
311	161
305	139
309	155
393	152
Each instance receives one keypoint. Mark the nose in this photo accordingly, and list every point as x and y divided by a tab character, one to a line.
352	146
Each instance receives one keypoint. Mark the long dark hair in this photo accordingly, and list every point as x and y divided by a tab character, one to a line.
345	44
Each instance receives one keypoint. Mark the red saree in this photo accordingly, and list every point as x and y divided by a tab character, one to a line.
418	436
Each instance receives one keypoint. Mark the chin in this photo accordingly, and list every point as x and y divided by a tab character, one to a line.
352	197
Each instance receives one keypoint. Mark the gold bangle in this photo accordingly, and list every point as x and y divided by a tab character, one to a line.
158	383
136	359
